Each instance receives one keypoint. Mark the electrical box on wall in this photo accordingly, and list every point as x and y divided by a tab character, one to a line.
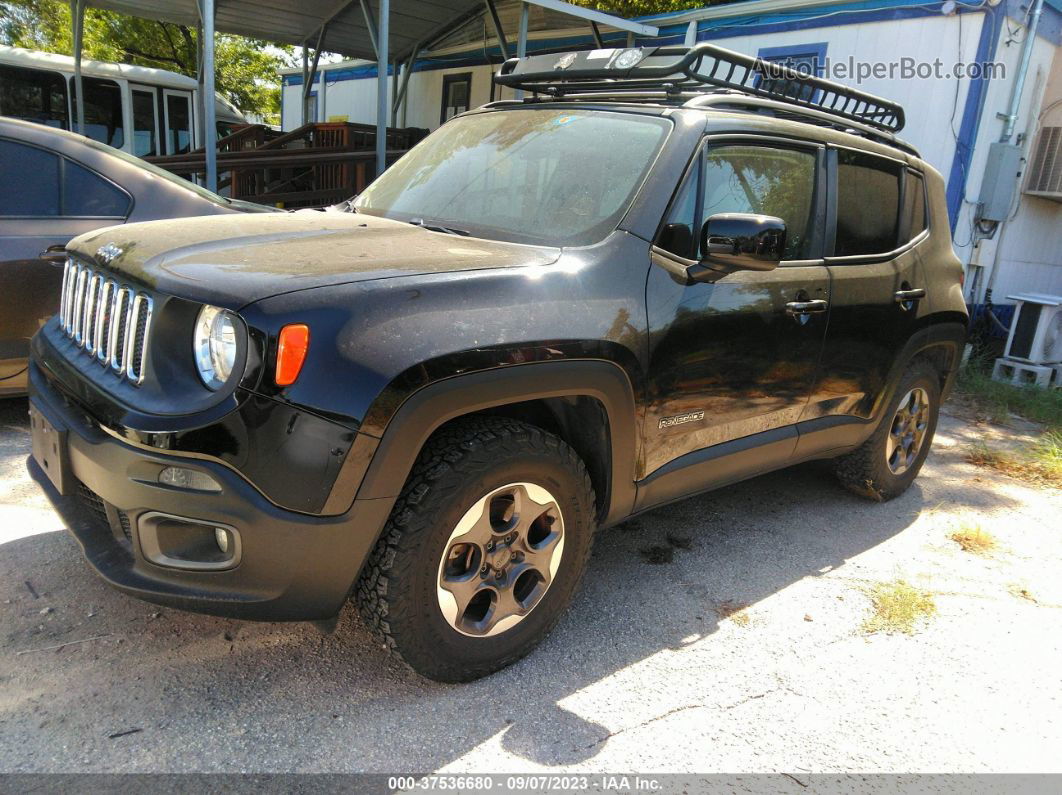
1000	181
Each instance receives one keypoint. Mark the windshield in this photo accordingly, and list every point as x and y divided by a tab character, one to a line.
548	177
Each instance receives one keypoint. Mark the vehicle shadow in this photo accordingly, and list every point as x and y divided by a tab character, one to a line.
204	693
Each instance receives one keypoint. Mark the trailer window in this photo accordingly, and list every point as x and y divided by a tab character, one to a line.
34	95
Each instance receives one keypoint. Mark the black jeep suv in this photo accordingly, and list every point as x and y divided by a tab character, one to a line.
661	271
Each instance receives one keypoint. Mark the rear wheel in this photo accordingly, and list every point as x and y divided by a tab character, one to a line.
483	550
888	462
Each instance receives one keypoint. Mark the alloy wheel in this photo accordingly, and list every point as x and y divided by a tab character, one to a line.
908	431
500	559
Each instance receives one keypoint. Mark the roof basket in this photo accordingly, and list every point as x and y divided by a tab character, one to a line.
679	72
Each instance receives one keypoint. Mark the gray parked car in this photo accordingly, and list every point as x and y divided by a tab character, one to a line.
55	185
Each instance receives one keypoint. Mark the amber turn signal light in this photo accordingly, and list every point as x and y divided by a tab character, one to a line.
291	352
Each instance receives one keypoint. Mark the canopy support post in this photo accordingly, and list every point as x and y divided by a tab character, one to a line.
77	17
521	40
370	24
598	42
210	129
309	74
382	39
502	43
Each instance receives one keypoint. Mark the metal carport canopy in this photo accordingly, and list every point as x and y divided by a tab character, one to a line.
393	31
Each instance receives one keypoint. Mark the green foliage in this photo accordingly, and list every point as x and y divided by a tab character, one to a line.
998	400
247	69
641	8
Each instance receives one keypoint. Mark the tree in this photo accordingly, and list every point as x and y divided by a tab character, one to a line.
640	8
247	70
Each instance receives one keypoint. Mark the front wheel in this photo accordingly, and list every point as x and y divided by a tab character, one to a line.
483	550
886	464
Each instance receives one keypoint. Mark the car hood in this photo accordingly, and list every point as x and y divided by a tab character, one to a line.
234	260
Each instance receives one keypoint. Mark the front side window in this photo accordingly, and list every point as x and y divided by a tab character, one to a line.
103	111
33	95
550	177
745	179
868	204
30	177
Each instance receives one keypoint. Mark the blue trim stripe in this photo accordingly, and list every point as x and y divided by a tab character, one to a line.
971	114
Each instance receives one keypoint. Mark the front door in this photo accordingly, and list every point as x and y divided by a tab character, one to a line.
736	359
146	139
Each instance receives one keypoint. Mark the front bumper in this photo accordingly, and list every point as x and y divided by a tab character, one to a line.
292	566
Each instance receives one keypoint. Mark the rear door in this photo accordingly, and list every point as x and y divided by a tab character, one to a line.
877	224
735	360
48	199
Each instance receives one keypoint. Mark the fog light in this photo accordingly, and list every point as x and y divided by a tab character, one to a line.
190	479
221	535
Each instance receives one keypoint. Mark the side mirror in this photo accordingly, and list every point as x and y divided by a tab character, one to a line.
739	241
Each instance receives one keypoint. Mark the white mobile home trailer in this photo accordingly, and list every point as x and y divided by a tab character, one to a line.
951	120
140	110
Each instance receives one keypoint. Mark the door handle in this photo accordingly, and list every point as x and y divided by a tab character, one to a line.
902	296
54	254
807	307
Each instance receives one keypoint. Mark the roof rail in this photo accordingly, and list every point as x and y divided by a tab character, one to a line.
678	72
729	100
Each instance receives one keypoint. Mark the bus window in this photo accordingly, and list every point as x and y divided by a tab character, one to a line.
33	95
145	125
103	111
178	123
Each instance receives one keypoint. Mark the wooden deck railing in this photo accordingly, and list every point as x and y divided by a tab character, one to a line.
312	166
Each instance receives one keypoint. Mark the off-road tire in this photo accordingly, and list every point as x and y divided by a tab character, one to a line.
461	463
865	471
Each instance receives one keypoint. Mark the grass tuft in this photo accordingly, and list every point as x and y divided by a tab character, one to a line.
735	611
1021	592
973	538
1042	464
897	607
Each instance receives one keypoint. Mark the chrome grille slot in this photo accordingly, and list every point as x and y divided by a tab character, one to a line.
109	321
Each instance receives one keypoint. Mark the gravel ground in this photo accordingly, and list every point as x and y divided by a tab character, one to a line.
646	672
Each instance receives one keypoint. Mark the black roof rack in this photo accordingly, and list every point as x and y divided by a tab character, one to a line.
675	73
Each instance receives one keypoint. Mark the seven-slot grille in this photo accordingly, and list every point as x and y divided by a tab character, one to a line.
107	320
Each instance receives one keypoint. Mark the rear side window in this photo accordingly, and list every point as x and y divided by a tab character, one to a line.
89	194
868	204
914	205
30	180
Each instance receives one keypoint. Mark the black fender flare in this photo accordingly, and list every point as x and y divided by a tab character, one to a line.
423	412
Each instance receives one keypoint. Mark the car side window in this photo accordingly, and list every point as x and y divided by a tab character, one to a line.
88	194
914	204
30	177
764	180
868	204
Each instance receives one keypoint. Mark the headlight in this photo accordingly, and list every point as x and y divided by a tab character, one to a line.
214	344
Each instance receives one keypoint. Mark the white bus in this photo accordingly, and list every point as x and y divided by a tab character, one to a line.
140	110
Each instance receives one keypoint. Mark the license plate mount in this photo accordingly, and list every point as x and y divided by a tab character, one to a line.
49	449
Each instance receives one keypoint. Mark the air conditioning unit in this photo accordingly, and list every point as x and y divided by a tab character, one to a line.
1036	331
1045	171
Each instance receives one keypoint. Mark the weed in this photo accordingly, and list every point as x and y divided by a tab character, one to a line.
897	607
973	538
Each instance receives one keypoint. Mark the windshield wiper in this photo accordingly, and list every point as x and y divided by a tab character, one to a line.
434	227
